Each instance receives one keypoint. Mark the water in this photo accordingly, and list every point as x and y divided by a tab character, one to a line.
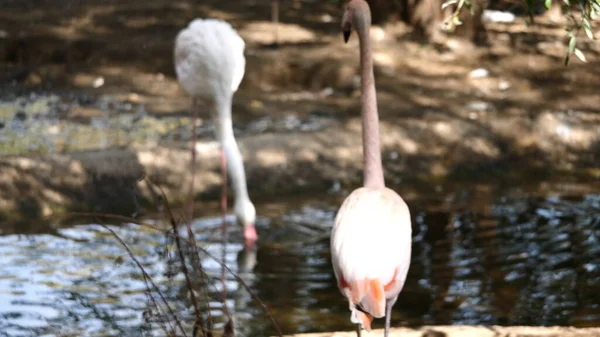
480	256
49	123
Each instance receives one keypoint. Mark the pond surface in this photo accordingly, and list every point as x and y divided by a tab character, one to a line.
480	256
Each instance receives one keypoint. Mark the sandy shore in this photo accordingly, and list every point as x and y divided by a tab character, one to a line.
470	331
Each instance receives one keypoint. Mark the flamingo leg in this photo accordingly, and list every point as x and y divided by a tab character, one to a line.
223	215
224	189
388	317
193	159
358	330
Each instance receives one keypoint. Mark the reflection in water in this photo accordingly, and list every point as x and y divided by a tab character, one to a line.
507	261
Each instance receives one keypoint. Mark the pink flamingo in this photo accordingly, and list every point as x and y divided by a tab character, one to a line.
371	237
210	65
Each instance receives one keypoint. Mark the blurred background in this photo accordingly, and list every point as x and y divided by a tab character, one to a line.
493	142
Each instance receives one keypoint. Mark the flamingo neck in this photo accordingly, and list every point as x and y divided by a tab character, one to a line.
373	169
234	160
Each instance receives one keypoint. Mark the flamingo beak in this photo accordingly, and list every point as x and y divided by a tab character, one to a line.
346	34
250	236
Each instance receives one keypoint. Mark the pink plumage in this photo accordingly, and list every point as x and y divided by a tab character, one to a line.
372	235
371	250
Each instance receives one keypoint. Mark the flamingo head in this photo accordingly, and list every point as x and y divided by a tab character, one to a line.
246	217
357	15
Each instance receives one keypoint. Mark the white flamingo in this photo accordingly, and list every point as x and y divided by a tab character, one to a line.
210	65
371	236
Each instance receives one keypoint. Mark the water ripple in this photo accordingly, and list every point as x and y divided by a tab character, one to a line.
523	260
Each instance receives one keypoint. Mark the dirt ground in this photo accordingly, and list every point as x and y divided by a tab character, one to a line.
447	111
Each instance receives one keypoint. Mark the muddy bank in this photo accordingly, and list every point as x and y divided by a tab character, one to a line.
126	180
471	331
116	114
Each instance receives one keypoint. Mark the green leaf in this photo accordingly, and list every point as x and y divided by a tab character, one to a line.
567	59
572	43
456	21
548	3
469	6
530	9
449	3
594	7
587	28
579	55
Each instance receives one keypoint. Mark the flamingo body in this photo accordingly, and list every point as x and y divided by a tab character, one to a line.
371	249
371	237
209	59
210	65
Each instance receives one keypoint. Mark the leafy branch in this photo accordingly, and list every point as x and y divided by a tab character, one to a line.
589	11
450	23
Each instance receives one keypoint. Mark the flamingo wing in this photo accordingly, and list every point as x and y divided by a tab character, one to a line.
209	58
371	248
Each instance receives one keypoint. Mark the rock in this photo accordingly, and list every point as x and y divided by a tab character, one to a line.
503	85
98	82
497	16
479	73
478	106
